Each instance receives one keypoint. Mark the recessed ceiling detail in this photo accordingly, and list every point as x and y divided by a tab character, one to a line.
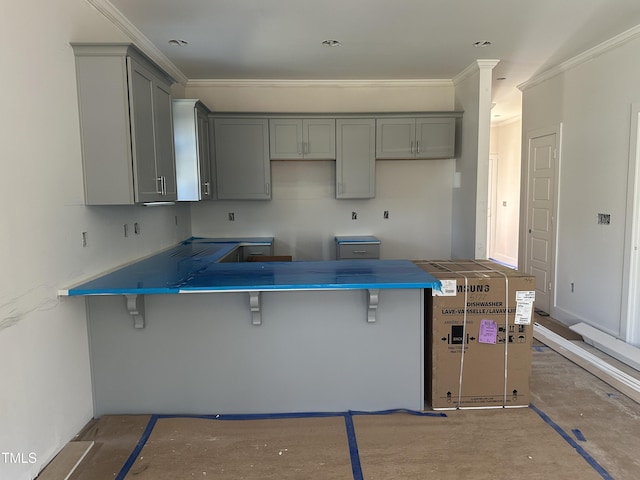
331	43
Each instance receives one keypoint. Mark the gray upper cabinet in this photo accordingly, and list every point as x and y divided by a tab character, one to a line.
126	126
192	147
243	168
296	139
355	158
416	137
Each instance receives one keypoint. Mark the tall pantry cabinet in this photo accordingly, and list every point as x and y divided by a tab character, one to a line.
126	126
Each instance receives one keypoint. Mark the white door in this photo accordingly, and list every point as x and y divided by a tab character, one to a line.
540	216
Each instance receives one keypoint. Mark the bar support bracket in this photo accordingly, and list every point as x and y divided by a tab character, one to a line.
255	306
373	304
135	307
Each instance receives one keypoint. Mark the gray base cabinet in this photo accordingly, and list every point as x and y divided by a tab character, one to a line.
126	126
355	158
243	169
192	147
302	139
420	137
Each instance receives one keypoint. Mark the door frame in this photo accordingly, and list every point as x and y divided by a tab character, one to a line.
524	211
630	308
493	205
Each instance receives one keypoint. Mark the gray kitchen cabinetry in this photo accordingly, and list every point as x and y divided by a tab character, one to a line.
243	169
353	247
126	127
308	138
416	137
192	147
355	158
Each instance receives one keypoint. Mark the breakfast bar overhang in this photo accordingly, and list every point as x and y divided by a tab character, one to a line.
256	337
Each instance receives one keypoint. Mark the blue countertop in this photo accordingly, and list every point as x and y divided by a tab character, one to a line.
357	239
192	267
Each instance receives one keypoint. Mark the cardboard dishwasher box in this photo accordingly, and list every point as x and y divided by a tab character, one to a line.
478	334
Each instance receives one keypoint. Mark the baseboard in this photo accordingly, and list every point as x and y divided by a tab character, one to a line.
618	349
613	376
65	462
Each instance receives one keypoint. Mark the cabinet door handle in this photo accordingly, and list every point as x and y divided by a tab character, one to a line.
159	185
301	148
358	251
206	188
418	146
267	188
164	185
411	147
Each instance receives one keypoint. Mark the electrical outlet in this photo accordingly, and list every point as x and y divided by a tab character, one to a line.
136	228
176	219
354	215
85	239
125	229
232	217
604	219
572	286
385	214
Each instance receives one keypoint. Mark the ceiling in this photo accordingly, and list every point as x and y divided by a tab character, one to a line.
379	39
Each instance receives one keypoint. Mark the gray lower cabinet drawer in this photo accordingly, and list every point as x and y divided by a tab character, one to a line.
256	250
358	250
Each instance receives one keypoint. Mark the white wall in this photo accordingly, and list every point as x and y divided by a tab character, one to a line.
506	144
303	214
45	394
593	101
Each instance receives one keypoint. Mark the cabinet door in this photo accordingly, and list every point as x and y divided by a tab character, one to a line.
154	174
396	138
285	139
204	153
146	180
355	158
242	158
435	137
319	138
165	155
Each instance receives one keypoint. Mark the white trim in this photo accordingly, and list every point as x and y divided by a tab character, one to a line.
114	15
583	57
629	308
253	83
609	344
606	372
474	67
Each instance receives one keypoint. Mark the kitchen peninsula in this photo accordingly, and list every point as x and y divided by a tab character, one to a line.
255	337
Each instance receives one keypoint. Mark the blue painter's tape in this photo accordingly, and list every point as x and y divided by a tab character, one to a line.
590	460
139	446
354	454
356	467
400	410
578	434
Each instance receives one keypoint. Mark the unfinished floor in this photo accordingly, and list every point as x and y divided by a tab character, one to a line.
577	427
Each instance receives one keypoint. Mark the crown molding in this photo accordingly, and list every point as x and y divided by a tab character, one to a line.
114	15
474	67
275	83
584	57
